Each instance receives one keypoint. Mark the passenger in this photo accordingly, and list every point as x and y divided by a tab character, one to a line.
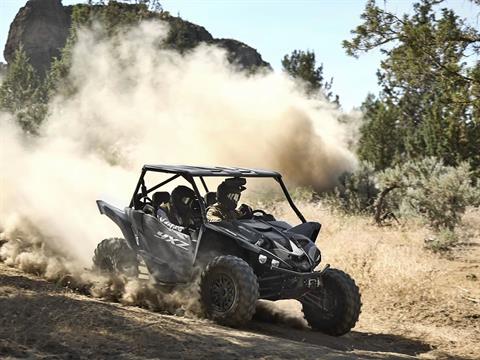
179	209
228	194
163	218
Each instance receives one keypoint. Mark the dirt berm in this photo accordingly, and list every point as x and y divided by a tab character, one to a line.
41	320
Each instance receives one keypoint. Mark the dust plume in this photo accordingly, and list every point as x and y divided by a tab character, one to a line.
136	102
285	312
29	251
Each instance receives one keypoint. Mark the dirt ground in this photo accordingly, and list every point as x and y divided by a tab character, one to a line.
39	319
415	305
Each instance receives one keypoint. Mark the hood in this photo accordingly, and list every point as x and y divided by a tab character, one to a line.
295	249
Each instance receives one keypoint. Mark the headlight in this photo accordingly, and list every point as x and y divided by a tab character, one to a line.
275	263
262	259
314	254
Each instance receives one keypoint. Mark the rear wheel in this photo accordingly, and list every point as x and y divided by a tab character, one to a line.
114	256
334	308
229	290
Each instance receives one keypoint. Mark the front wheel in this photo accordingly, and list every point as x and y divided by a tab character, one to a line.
229	290
114	256
333	308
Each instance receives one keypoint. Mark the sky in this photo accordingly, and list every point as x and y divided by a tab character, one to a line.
277	27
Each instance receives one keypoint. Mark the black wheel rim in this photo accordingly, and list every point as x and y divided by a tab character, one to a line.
222	293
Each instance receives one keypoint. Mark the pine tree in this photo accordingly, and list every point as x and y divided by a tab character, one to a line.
379	137
302	65
22	93
426	79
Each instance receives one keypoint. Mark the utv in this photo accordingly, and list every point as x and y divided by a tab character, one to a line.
240	260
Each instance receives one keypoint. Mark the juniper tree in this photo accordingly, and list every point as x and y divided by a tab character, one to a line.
429	84
302	65
22	93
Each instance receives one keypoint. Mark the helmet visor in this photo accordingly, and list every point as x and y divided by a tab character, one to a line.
234	196
186	200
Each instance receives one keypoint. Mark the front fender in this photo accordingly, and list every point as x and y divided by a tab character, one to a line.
120	218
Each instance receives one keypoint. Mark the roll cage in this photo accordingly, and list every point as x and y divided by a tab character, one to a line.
191	173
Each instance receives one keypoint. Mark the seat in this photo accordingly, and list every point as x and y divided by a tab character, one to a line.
210	198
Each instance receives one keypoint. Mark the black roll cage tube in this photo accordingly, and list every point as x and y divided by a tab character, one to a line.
191	180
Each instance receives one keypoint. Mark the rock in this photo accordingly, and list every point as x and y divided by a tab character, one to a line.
42	26
241	54
185	35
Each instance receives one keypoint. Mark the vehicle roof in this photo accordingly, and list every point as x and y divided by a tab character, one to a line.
211	171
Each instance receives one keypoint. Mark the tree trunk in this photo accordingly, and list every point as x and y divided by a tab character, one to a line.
380	203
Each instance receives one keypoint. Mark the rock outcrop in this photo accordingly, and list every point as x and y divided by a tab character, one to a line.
42	27
241	54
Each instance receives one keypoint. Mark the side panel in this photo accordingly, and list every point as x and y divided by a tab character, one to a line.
167	253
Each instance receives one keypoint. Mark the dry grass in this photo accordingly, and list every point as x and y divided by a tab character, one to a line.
406	289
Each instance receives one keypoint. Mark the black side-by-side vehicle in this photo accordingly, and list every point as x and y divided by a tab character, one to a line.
240	261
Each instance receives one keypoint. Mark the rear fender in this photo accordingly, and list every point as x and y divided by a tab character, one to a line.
120	218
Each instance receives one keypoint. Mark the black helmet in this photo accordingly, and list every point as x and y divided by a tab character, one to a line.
228	192
182	198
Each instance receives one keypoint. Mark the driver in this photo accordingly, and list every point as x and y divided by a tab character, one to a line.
228	194
179	208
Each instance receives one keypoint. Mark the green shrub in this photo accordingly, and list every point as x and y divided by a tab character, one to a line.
356	191
443	241
438	193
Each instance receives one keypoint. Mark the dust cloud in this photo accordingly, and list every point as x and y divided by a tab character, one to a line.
136	102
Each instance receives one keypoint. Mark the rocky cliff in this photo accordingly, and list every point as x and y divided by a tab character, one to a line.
42	27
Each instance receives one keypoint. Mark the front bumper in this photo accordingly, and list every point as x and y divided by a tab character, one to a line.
278	283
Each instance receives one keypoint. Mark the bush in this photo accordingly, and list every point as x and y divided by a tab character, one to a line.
445	240
356	191
439	193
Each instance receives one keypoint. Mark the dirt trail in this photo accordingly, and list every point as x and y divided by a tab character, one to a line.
415	305
41	320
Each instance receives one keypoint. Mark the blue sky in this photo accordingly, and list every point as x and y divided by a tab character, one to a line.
277	27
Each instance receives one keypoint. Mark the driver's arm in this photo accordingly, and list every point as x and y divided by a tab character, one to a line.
214	215
244	212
